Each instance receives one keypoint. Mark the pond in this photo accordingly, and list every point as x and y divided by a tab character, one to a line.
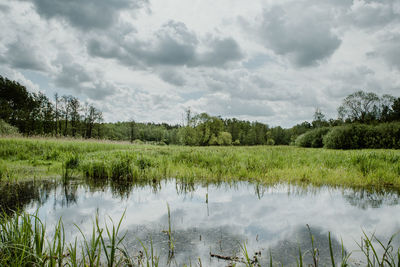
217	219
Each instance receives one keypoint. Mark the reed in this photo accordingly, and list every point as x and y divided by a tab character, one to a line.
24	158
24	242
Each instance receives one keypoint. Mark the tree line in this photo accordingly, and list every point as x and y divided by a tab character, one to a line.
35	114
365	121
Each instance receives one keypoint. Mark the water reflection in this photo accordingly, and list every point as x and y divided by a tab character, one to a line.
216	218
16	196
368	198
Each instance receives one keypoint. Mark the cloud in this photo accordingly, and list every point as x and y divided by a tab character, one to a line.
303	34
4	8
225	105
23	55
389	50
172	77
88	14
171	45
75	77
374	14
223	51
286	59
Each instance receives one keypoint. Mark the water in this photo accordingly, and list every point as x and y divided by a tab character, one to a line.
217	219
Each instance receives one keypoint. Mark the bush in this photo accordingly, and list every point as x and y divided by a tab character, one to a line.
236	142
7	129
356	136
224	139
138	142
270	142
313	138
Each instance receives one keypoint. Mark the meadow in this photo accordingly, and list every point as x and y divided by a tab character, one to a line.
41	158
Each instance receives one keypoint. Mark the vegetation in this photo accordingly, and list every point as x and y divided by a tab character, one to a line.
7	129
23	158
313	138
36	114
356	136
24	242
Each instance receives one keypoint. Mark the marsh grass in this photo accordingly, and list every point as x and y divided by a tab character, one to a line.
23	158
25	242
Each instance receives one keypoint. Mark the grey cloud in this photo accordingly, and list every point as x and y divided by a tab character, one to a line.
4	8
377	14
74	77
224	105
304	36
88	14
389	50
172	77
22	55
172	45
71	76
223	51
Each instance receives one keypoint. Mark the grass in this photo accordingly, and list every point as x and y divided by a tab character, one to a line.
38	158
24	242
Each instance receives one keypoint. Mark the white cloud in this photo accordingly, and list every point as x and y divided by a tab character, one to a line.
148	60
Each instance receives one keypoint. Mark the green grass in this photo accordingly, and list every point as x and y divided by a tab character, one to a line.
24	242
24	158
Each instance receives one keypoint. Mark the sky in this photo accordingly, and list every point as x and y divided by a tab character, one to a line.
270	61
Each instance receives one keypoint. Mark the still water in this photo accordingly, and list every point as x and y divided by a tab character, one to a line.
217	219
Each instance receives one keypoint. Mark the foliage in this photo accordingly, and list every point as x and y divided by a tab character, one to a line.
313	138
356	136
7	129
24	158
35	114
366	107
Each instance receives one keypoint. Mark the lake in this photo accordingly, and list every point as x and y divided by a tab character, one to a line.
217	219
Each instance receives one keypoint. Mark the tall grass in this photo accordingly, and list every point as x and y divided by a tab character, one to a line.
24	241
39	158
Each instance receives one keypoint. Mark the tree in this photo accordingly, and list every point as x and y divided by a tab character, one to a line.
65	112
57	113
396	110
319	119
359	106
132	131
75	108
385	108
91	116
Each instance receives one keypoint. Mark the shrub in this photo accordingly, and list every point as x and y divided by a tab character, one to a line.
224	139
7	129
356	136
313	138
236	142
138	142
270	142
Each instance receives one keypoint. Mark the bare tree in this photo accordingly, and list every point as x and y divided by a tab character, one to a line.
359	106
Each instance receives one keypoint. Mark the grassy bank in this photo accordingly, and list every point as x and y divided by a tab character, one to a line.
23	158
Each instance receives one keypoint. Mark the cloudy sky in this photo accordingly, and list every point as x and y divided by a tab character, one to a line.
266	60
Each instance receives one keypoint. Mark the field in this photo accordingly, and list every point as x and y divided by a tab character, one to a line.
38	158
